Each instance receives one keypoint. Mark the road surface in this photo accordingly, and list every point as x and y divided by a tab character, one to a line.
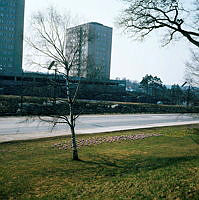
16	128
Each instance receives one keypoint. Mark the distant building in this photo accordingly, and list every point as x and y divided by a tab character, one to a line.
40	84
96	51
11	35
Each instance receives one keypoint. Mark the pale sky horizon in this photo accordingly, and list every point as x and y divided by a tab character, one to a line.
130	59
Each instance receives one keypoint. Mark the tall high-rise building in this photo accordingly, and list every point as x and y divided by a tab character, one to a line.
96	50
11	35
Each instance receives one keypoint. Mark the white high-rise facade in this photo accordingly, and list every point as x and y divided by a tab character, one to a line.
96	50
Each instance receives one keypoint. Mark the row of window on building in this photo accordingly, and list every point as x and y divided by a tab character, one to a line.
11	3
7	28
6	58
7	21
6	53
6	61
7	16
103	36
7	10
7	46
7	35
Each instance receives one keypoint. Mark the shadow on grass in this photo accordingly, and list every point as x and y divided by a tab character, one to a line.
99	166
105	166
117	167
195	135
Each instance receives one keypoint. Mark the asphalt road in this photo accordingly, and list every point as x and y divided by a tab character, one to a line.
17	128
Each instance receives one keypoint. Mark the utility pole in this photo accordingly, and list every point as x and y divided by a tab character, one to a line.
80	52
188	93
22	91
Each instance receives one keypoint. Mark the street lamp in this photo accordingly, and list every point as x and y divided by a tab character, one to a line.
53	63
184	84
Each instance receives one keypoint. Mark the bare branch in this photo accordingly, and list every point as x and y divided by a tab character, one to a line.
53	41
145	16
192	68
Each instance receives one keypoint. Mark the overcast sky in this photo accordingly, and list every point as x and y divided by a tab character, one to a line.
130	59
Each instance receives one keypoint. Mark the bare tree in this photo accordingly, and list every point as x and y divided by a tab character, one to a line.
141	17
192	68
57	46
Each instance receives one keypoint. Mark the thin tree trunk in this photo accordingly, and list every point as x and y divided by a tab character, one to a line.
73	135
71	120
74	144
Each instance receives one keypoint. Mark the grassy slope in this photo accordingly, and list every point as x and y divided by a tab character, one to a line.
165	167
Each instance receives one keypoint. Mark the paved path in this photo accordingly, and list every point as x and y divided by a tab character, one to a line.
16	128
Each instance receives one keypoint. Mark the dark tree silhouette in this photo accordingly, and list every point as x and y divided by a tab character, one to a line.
141	17
150	82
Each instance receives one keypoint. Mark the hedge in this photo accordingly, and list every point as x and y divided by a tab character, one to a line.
11	105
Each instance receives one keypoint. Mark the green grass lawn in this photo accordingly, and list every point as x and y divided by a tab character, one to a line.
163	167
